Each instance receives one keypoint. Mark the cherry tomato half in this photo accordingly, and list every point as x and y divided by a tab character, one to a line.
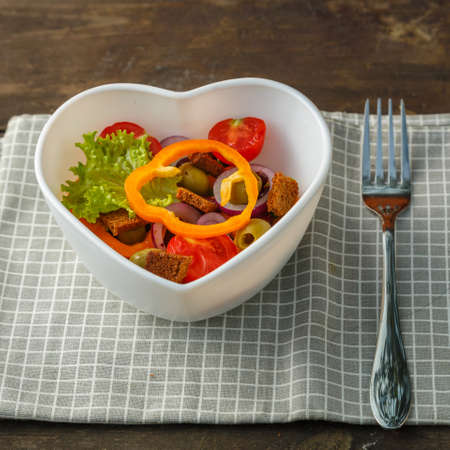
131	127
244	135
155	146
208	254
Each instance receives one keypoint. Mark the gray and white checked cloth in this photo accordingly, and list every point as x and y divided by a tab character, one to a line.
300	349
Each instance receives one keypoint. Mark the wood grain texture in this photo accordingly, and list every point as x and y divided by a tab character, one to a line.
298	436
338	52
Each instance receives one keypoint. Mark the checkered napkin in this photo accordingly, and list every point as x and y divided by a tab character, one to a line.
300	349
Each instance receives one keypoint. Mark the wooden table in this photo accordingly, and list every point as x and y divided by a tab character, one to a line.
337	52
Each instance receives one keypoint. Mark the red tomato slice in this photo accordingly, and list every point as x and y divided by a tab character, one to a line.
155	146
208	254
129	127
138	131
244	135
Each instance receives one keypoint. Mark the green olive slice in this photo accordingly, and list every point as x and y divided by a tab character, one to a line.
250	233
140	257
134	236
194	179
239	193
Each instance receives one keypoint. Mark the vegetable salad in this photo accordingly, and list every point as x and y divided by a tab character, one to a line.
179	208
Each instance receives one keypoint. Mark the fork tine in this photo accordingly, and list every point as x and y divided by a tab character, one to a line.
366	146
379	158
392	168
406	174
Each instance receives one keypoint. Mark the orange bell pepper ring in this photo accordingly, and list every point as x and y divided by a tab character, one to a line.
159	167
124	249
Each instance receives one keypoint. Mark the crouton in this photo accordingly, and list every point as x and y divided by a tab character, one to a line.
118	221
207	162
191	198
282	195
167	265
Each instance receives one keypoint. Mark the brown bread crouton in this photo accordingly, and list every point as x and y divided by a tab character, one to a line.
207	162
191	198
118	221
167	265
282	195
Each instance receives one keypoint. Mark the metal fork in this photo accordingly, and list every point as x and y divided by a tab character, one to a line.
390	389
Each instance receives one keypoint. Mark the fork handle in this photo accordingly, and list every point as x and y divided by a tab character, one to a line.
390	389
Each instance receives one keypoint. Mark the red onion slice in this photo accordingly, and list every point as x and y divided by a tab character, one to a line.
184	212
171	140
210	219
181	161
158	235
260	208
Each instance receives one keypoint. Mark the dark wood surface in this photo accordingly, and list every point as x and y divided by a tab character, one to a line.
337	52
298	436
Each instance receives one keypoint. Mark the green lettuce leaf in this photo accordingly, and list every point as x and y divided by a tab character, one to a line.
100	184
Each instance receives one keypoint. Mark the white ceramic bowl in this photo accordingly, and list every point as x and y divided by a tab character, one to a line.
297	143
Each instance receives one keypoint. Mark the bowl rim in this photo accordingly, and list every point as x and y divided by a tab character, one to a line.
306	196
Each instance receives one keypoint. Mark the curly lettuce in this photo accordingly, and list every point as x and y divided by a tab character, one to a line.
99	187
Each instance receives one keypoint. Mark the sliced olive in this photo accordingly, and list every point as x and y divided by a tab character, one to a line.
134	236
239	193
252	231
194	179
140	257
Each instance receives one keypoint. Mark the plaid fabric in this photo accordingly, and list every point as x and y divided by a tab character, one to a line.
300	349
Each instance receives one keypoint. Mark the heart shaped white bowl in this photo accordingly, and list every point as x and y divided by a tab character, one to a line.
297	144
